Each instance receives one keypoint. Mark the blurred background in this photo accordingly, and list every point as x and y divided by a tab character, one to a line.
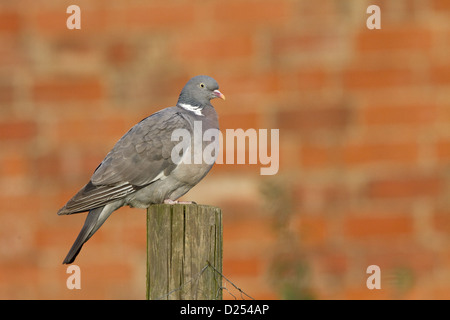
364	120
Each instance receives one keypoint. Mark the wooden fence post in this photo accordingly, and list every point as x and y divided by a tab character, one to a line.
184	252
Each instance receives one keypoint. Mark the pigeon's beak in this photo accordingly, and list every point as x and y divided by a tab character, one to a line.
219	94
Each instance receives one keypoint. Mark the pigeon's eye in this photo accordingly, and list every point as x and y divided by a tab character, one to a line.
202	85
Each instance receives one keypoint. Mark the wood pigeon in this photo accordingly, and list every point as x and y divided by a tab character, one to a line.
139	170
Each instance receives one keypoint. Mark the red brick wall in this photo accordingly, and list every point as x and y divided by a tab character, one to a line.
364	118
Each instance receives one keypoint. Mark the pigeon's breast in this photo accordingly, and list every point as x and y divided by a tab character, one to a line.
202	153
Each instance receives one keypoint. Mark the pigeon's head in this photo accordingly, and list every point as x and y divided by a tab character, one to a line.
199	91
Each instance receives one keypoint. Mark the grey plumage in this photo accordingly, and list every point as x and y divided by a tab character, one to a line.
139	170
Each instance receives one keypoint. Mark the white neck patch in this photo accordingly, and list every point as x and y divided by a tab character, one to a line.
195	109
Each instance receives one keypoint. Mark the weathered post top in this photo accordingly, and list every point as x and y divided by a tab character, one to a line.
183	242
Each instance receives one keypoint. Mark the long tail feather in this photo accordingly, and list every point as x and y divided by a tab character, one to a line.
94	220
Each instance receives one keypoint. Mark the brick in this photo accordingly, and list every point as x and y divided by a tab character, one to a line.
10	22
394	39
398	261
20	203
315	44
441	221
405	187
440	292
290	154
10	53
48	165
333	262
317	197
13	164
441	5
136	236
91	132
443	114
377	78
313	230
120	53
159	16
362	293
443	150
440	75
214	48
259	84
120	271
228	168
245	229
102	20
6	94
59	90
245	120
252	12
412	114
15	130
77	130
318	155
19	274
378	226
311	79
381	153
249	266
47	237
309	119
328	10
52	22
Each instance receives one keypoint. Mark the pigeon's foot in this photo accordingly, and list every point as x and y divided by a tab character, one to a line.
169	201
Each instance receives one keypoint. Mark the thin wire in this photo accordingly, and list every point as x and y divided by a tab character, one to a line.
236	287
184	284
197	277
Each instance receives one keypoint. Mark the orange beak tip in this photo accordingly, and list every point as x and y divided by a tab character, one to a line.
219	94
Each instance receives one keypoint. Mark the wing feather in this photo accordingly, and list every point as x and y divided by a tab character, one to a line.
139	158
